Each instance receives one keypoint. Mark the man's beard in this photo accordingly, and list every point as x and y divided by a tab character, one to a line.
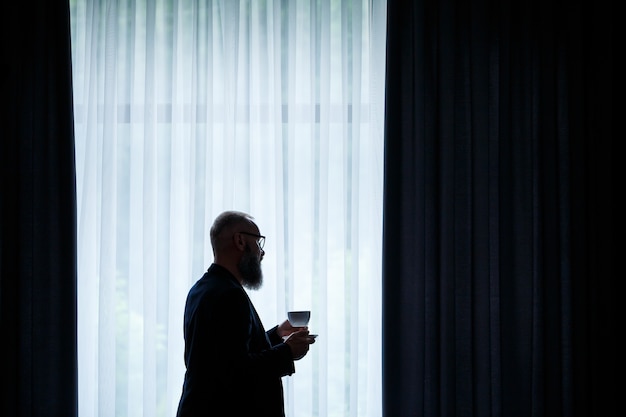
250	270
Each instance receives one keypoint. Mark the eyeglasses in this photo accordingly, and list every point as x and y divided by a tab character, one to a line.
260	240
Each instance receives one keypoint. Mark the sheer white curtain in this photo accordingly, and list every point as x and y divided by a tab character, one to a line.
184	109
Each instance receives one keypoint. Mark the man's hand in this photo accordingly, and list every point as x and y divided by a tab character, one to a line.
285	329
299	342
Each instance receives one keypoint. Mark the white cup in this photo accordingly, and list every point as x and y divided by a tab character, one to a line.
299	318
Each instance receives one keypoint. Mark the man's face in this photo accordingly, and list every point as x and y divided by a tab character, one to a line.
250	269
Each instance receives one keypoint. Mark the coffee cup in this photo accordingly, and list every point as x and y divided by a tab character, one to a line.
299	318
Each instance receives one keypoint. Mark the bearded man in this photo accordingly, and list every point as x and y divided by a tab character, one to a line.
233	365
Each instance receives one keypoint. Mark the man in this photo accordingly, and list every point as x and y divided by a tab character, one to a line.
234	367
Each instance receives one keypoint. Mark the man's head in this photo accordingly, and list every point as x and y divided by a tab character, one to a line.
237	245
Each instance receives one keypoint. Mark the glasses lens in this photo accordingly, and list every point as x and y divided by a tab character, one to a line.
261	242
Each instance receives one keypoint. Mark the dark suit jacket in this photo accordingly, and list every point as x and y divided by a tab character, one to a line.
234	367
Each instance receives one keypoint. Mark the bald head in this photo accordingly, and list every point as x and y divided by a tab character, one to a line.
231	234
226	225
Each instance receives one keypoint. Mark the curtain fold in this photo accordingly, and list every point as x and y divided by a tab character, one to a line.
37	214
186	109
497	211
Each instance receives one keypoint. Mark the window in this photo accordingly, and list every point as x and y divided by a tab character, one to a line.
185	109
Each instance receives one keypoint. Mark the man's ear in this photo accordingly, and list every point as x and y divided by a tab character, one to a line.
239	242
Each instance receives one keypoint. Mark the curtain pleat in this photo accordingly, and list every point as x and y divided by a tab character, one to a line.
186	109
490	138
37	214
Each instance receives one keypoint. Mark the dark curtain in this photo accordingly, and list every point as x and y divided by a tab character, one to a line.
498	271
37	213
